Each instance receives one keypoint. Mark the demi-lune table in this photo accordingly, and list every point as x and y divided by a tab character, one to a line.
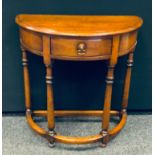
78	38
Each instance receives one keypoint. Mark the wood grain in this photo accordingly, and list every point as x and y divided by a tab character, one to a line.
98	48
49	76
79	25
27	90
78	38
70	113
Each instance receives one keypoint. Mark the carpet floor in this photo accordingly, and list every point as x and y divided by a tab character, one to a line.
134	139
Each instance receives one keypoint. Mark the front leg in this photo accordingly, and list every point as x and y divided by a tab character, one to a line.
50	101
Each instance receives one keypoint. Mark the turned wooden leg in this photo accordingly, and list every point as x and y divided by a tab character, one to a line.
108	91
50	105
127	82
107	105
26	80
50	102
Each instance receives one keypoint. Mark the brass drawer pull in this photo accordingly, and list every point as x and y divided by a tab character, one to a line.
81	48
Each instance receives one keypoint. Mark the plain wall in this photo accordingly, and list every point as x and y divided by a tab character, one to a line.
77	85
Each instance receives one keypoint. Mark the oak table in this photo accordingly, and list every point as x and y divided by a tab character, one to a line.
78	38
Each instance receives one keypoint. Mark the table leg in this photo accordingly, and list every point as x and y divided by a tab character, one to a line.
127	82
26	80
108	91
107	105
50	105
50	102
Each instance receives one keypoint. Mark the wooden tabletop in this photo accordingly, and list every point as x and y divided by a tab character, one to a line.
71	25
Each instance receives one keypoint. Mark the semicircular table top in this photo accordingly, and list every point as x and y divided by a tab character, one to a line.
75	25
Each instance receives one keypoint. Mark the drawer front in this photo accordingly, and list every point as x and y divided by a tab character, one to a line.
71	47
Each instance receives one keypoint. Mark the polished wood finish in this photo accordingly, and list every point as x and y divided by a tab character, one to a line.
108	91
64	47
113	132
50	102
34	126
127	81
97	37
47	62
26	79
77	140
60	113
84	26
78	38
72	140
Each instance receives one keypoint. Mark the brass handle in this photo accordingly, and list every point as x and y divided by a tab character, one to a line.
81	48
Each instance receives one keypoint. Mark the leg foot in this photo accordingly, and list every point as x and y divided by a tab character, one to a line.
51	139
51	144
105	138
103	145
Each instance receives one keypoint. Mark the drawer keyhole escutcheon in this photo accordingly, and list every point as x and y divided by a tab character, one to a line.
81	48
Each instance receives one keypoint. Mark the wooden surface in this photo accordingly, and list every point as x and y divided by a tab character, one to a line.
96	113
69	33
79	25
86	38
97	48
